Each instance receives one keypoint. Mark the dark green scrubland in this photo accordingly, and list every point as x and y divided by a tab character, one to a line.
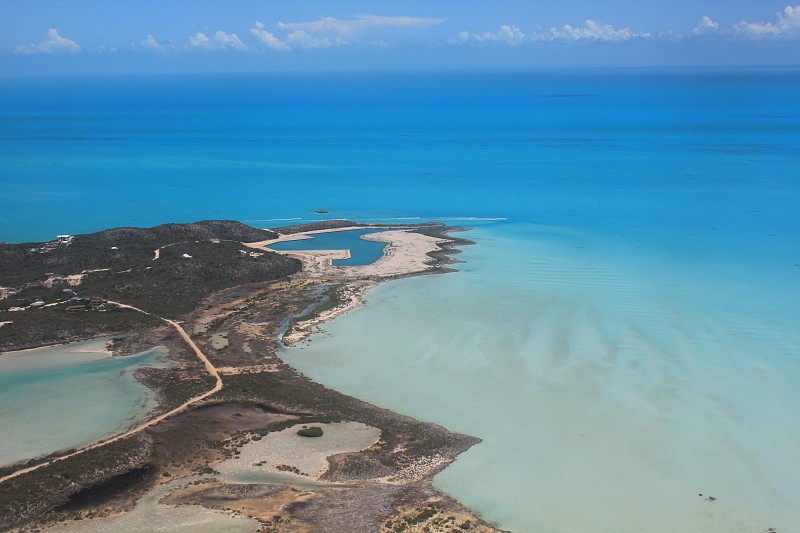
41	490
38	327
23	263
118	265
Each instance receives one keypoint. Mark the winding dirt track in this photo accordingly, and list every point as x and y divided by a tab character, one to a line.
200	355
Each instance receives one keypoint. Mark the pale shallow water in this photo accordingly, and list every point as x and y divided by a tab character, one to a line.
362	251
606	398
65	396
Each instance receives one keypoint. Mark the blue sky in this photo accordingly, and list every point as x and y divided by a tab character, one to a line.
126	36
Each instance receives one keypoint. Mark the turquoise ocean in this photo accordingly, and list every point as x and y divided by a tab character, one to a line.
623	335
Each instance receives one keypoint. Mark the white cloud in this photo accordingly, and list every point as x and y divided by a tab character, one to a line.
53	43
347	27
329	31
787	25
380	43
199	41
229	41
705	25
267	39
403	22
301	39
592	31
327	24
220	41
510	35
149	43
103	49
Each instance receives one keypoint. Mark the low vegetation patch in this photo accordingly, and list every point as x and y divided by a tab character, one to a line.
313	431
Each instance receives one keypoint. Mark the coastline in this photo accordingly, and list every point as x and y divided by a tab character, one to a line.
252	320
630	325
10	353
407	253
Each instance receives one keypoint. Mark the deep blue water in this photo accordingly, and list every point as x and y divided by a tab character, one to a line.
362	252
634	293
648	157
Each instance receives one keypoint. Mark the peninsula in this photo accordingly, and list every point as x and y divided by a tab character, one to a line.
224	434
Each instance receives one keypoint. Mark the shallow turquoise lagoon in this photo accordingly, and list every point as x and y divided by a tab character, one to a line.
609	393
65	396
362	252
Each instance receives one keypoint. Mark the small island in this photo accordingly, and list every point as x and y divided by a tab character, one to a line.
215	296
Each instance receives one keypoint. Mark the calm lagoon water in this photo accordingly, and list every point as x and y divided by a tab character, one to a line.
65	396
362	252
623	340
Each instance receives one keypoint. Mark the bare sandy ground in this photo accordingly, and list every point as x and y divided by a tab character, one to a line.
406	253
286	452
